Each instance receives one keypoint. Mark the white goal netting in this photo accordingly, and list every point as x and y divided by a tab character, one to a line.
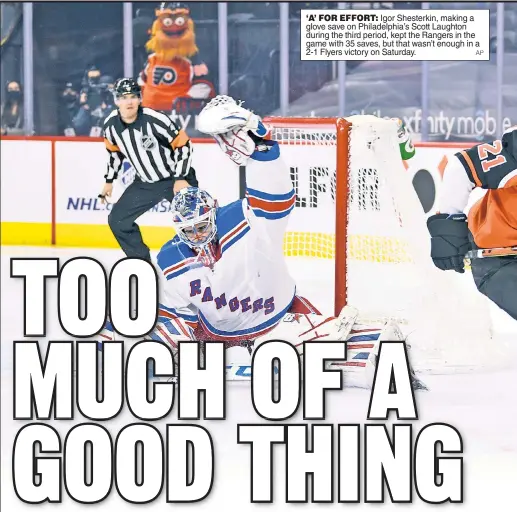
389	272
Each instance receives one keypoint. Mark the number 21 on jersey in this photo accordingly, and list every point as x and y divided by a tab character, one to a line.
491	148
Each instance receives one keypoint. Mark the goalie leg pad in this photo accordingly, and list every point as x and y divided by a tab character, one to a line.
363	343
168	330
107	334
302	305
296	328
363	340
171	332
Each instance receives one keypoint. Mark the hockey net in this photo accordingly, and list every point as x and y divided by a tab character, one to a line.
358	235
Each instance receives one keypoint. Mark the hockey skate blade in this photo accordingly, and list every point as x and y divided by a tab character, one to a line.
363	377
238	366
416	383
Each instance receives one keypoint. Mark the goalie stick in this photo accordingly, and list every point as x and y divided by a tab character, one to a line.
492	253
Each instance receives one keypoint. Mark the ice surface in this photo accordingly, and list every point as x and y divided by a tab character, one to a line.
482	406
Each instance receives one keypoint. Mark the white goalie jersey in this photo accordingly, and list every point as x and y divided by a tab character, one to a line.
248	290
240	289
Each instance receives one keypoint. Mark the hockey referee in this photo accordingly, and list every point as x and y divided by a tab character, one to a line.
160	154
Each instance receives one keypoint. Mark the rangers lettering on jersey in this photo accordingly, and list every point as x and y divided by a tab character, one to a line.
234	303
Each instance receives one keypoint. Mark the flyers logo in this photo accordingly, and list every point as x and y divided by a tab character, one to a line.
164	75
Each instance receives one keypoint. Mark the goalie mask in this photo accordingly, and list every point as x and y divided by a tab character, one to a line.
193	216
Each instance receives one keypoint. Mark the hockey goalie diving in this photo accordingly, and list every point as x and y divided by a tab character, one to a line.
224	276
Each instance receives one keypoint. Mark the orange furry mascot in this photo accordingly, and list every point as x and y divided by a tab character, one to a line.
174	60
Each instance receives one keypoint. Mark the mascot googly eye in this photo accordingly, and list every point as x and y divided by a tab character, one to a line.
167	22
180	21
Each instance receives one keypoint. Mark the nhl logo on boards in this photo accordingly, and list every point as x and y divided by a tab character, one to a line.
148	143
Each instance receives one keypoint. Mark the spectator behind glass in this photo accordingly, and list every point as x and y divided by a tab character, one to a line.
11	114
95	98
83	114
105	90
75	119
91	93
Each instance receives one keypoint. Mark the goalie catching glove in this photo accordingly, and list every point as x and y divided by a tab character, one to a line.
449	240
237	130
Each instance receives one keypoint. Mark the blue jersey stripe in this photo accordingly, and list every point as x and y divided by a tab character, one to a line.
190	318
267	156
364	337
228	218
235	239
168	325
272	216
172	275
243	332
270	197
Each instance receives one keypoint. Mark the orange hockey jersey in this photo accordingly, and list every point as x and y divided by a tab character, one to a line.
164	81
492	166
493	219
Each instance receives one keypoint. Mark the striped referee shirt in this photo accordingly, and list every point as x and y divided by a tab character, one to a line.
154	145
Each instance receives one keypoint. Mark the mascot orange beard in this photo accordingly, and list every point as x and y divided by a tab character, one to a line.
169	71
170	39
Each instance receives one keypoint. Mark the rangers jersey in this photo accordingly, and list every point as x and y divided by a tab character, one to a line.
248	290
492	168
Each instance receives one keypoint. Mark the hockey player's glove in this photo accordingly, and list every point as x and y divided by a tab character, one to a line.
223	115
449	240
237	130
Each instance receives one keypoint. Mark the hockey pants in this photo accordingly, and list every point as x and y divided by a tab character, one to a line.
497	279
